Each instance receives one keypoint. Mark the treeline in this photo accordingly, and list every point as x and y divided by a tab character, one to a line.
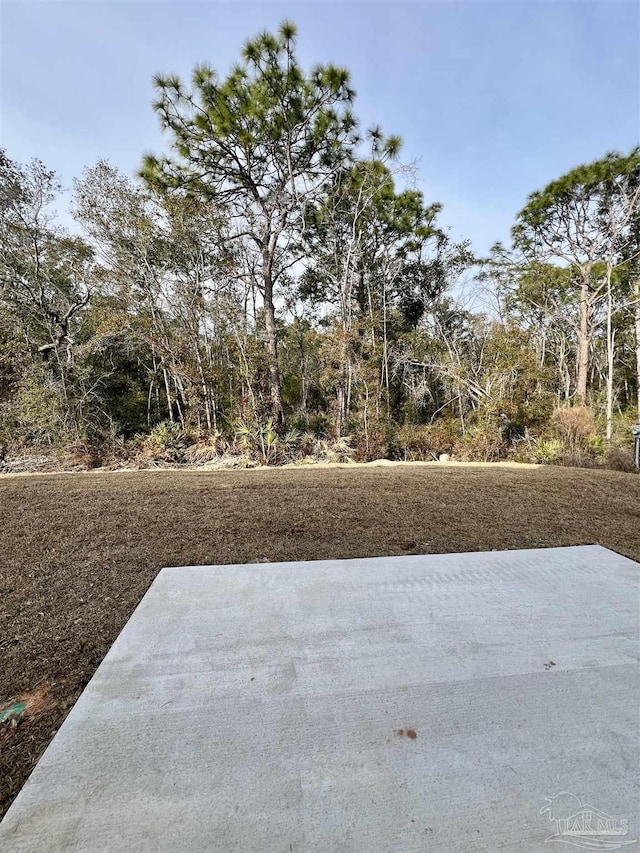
275	289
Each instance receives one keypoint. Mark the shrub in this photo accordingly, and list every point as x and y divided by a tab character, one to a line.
596	445
256	441
441	436
289	446
207	449
574	427
320	425
311	449
263	444
373	442
325	450
411	442
576	459
622	424
546	452
84	454
38	412
167	441
481	443
620	459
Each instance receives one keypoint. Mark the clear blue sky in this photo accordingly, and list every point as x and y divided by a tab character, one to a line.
493	99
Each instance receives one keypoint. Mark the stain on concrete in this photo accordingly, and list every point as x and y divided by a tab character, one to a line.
410	733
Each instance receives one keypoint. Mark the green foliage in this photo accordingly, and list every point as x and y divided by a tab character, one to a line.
321	450
548	215
547	451
207	448
412	443
259	144
425	442
36	411
277	282
166	441
262	441
482	442
596	445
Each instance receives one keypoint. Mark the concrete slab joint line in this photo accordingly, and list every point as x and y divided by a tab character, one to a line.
447	703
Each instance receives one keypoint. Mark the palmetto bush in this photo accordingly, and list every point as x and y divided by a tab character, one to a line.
262	443
167	441
208	448
547	451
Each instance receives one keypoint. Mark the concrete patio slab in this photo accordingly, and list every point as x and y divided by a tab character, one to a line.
463	702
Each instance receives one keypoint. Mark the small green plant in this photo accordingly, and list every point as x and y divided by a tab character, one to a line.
246	437
262	443
596	445
269	443
546	451
167	441
290	445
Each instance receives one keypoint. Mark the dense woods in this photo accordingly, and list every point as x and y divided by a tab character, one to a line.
276	289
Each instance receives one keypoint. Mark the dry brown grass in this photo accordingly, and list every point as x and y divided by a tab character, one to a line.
79	550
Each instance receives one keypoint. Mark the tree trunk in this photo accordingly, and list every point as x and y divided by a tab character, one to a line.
204	387
341	390
168	391
610	366
563	369
583	345
340	406
637	313
272	346
610	356
385	350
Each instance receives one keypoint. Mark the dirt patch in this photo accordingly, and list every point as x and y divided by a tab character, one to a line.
78	551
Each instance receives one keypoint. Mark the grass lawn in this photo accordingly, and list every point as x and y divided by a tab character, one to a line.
79	550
